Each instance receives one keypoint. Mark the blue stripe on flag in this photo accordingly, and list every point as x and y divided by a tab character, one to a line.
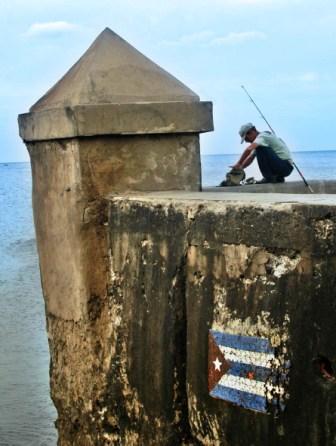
242	370
245	399
249	343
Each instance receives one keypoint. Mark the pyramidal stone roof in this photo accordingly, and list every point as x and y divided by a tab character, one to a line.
112	71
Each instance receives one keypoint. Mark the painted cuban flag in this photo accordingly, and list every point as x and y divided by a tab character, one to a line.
245	371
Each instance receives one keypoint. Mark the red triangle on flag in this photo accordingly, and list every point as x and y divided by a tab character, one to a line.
217	364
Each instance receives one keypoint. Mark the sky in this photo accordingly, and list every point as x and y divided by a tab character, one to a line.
282	51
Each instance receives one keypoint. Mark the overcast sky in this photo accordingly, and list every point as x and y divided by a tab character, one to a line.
283	51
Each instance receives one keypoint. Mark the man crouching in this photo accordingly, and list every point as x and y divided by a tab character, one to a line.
273	156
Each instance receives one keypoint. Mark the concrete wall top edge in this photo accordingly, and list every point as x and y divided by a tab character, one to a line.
289	187
296	225
278	200
119	119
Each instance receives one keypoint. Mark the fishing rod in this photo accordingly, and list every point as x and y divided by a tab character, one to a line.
269	125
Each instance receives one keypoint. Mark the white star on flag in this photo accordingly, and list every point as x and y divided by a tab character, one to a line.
217	364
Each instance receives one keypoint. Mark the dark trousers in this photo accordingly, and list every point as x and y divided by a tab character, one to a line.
271	165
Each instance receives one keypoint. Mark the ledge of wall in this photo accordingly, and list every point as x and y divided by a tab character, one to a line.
289	187
117	119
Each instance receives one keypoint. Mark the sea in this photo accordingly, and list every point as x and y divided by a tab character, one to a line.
27	414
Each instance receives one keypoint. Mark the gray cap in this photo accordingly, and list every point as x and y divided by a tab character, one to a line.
244	129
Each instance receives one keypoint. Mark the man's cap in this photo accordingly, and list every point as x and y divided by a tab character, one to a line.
244	129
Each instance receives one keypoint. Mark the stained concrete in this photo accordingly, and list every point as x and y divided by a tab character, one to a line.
174	266
114	89
117	119
246	268
217	195
116	122
70	180
113	71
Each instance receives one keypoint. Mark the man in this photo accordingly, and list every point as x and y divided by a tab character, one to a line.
273	156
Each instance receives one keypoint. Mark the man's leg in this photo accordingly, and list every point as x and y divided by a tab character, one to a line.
271	166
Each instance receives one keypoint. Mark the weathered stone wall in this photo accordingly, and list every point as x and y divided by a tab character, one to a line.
266	272
118	374
134	370
70	178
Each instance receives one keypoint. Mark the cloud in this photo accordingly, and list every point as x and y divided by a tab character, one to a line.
236	38
199	37
50	28
310	76
207	38
329	19
202	36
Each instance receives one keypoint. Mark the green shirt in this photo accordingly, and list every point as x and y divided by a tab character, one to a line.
276	144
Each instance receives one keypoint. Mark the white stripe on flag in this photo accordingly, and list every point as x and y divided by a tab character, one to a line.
249	385
247	357
243	384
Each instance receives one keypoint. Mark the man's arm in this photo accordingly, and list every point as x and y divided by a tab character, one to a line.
246	158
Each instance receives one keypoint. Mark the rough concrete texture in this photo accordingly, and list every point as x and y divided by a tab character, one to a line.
229	197
289	187
118	375
114	89
264	272
113	71
117	119
70	179
177	268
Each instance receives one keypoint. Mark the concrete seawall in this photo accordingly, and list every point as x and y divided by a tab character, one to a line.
179	266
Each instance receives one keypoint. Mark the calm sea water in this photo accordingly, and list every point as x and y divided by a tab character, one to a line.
26	412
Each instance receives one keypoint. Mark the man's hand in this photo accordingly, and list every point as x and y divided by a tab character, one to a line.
246	158
236	166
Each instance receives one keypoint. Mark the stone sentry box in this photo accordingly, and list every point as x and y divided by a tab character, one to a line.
135	125
116	122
